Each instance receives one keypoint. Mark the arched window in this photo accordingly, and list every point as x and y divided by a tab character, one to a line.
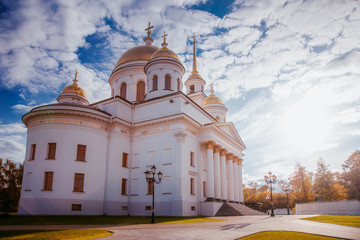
178	84
167	82
155	83
140	91
123	90
112	92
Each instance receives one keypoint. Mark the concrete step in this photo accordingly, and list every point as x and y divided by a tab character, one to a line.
235	209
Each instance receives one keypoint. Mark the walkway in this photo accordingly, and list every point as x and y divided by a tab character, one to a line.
229	228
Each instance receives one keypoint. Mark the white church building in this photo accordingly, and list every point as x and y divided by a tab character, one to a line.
89	158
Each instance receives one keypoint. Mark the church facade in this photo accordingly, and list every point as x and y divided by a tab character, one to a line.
90	159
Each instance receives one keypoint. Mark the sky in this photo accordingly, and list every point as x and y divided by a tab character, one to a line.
288	71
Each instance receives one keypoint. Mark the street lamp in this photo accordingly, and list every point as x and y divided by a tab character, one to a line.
150	178
271	179
286	188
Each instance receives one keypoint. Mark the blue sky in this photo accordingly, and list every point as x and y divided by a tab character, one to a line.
288	71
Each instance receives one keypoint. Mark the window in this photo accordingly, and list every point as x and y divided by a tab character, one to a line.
51	150
167	82
204	189
75	207
192	88
218	118
155	83
123	90
32	151
124	160
81	150
123	186
192	160
193	208
79	182
150	187
147	207
178	84
140	91
48	180
112	92
192	186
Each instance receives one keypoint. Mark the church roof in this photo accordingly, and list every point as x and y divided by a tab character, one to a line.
143	52
212	99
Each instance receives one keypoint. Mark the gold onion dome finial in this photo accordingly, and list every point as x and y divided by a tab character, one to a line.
212	98
74	88
164	51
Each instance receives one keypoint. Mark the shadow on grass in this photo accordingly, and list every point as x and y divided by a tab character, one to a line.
87	220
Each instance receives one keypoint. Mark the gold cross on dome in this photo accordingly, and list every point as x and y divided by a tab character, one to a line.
148	30
164	36
194	37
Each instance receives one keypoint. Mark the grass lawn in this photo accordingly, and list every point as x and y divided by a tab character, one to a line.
91	220
285	235
353	221
64	234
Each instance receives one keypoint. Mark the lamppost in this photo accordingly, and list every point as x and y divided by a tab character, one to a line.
286	188
271	179
150	178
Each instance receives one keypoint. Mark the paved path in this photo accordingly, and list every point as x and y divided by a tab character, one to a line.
229	228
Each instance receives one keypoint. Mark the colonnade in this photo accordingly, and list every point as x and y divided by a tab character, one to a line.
224	175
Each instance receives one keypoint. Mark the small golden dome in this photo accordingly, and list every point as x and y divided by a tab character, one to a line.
75	89
165	52
143	52
212	98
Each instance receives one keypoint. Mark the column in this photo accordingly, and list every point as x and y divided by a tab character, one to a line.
230	178
236	182
223	175
240	180
210	172
217	178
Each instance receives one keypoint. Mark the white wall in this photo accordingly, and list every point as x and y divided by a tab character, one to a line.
345	207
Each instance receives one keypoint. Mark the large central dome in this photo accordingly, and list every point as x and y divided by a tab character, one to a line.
143	52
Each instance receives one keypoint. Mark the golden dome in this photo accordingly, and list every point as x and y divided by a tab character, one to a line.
75	89
165	52
212	99
143	52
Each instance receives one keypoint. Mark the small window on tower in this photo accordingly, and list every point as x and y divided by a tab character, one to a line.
155	83
32	152
192	88
192	160
167	82
51	151
81	151
125	160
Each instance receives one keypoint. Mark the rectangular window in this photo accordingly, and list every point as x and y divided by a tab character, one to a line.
192	160
192	88
124	160
192	186
51	150
204	189
32	151
193	208
79	182
147	207
81	151
48	180
75	207
150	187
123	186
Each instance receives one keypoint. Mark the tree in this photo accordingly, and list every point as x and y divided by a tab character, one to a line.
325	185
351	175
301	182
10	185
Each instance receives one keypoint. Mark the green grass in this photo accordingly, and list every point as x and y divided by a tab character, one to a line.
64	234
285	235
353	221
91	220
